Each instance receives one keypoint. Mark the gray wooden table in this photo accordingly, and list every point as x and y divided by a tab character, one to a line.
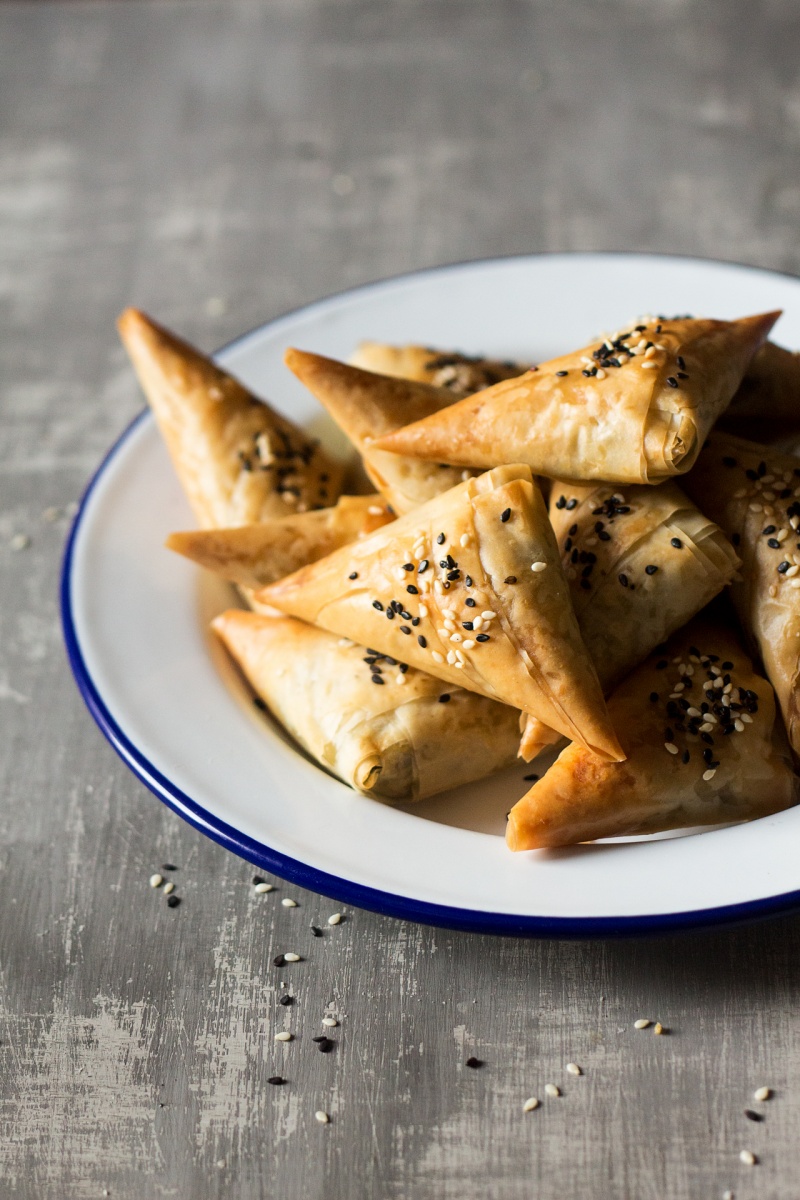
218	163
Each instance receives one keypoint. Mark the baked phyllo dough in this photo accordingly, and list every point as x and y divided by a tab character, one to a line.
634	408
366	405
705	746
469	587
461	374
384	728
754	494
766	407
255	555
640	562
238	460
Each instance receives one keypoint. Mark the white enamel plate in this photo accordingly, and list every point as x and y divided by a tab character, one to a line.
136	626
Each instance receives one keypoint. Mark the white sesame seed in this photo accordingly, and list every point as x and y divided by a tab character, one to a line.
591	541
443	633
322	1117
438	587
728	1195
400	679
748	720
456	637
437	657
464	540
262	888
169	888
156	880
693	712
20	541
600	373
465	475
790	574
658	1028
755	507
488	614
709	683
550	1089
292	957
335	918
794	583
51	514
573	1069
765	479
737	495
642	1023
375	510
773	591
762	1093
781	535
648	364
423	610
330	1022
468	645
451	658
538	566
709	774
706	727
748	1158
288	903
459	665
477	624
530	1104
449	625
284	1036
679	688
671	747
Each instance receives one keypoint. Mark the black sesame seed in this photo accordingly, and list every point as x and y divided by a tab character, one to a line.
408	566
561	374
677	543
168	867
324	1044
402	667
508	579
773	543
680	362
468	580
423	566
482	637
468	625
653	697
390	614
573	529
598	525
505	514
561	502
259	704
256	880
413	591
762	469
672	381
440	540
685	756
353	575
682	375
376	679
529	778
707	738
377	604
568	545
586	585
415	621
422	641
286	1001
661	664
405	629
624	581
453	575
315	930
604	536
276	1080
470	603
571	504
444	698
727	666
651	569
472	1061
173	901
753	1116
768	530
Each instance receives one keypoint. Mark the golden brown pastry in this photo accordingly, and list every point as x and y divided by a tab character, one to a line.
365	405
254	555
754	494
641	561
633	409
238	460
387	730
766	407
461	374
470	588
705	746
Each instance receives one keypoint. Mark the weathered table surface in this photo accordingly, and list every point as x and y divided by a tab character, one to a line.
219	163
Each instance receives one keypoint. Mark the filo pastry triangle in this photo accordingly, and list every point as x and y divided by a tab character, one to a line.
255	555
238	460
634	408
766	407
366	405
387	730
698	753
468	587
640	562
461	374
754	494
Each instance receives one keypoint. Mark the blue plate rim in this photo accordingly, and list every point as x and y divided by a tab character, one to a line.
335	887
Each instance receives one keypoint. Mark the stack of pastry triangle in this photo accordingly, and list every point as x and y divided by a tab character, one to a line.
386	730
468	587
239	461
366	405
255	555
766	407
634	408
461	374
694	756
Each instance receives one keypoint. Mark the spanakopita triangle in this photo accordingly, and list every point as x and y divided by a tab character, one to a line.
632	408
468	587
238	460
704	744
366	405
